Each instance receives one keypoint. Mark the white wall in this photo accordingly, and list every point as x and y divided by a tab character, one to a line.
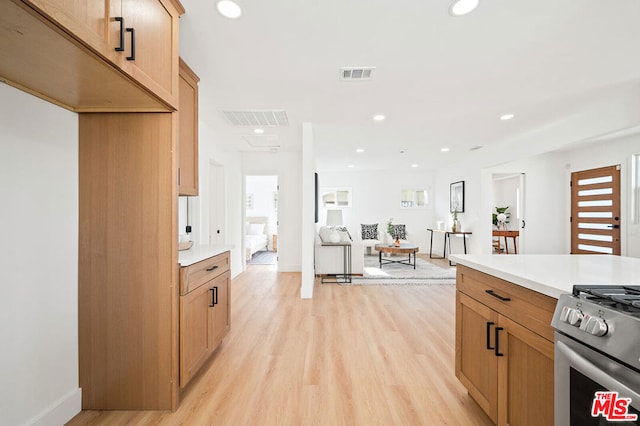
547	196
39	260
288	167
376	198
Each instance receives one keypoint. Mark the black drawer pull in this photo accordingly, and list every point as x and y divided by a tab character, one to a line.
498	341
121	47
133	45
497	296
213	268
489	324
213	298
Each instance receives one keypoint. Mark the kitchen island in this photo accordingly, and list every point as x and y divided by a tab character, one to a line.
504	338
554	274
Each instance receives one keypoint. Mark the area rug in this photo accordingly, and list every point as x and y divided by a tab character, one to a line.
263	258
426	273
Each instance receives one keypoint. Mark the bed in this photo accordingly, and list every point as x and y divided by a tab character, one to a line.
255	238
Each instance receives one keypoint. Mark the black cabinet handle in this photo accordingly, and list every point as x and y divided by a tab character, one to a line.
489	324
498	341
497	296
215	293
121	47
214	267
213	298
133	45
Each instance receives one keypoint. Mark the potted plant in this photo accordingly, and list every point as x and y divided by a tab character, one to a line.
391	230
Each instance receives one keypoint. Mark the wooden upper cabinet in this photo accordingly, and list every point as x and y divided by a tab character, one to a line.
150	45
188	131
151	38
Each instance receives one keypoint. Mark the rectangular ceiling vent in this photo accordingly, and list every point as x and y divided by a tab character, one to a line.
356	73
262	118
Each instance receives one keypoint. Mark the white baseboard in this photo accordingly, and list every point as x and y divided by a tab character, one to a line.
61	411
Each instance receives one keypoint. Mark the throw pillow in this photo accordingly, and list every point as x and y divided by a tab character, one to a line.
400	231
369	232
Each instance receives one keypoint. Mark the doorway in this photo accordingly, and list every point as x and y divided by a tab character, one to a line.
595	211
508	235
261	220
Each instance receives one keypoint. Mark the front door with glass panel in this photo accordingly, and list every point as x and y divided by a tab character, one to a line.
595	211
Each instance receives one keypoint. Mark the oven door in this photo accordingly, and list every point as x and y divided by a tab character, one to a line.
580	372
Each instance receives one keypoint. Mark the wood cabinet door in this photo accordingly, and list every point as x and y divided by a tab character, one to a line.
194	331
525	376
221	310
155	25
476	361
188	131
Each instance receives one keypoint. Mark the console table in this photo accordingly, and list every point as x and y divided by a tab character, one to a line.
507	234
346	275
447	236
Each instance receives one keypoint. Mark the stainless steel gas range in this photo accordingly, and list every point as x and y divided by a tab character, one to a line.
597	356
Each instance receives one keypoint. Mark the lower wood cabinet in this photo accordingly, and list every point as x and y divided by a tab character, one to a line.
506	366
204	312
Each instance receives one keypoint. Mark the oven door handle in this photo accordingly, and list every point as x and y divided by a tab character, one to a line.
595	373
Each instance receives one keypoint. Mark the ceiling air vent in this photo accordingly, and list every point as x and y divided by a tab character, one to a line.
356	73
263	118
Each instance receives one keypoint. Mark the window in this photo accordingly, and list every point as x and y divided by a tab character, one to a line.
336	197
412	198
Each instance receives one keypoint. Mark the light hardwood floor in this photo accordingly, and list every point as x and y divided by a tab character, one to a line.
352	355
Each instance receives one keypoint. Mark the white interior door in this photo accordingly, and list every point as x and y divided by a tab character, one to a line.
217	204
509	191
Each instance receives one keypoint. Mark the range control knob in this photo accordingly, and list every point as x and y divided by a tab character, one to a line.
575	317
594	325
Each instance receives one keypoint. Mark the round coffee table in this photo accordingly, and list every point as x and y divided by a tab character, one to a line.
404	248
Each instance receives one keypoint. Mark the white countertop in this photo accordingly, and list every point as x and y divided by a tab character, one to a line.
555	274
200	252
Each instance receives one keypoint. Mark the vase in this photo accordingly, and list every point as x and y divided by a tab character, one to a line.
397	242
455	226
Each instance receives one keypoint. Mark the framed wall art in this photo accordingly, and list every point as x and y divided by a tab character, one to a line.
456	197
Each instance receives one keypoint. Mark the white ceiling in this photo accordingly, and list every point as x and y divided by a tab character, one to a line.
568	69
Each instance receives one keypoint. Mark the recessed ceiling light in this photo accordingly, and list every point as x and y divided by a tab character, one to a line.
258	131
444	149
359	150
462	7
378	117
414	165
229	9
350	166
507	117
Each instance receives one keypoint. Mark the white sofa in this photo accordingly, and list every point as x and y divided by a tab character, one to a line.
329	259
